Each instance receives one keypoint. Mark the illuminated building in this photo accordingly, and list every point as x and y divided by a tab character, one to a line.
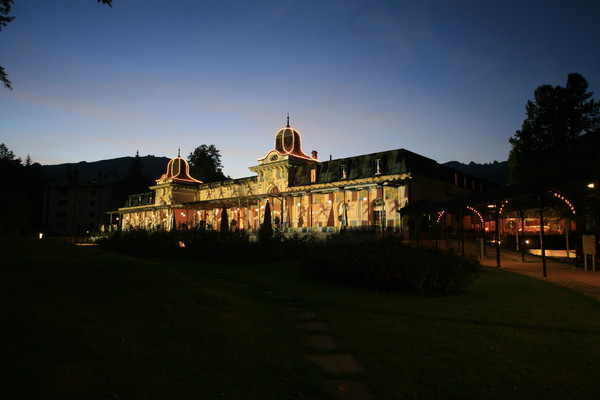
305	194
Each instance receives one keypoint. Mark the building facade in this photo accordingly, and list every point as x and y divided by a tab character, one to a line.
305	195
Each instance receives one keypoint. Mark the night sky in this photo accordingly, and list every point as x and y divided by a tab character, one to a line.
446	79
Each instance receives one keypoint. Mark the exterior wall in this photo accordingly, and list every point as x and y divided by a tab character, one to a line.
76	210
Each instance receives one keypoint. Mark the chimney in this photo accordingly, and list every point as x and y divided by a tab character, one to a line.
314	154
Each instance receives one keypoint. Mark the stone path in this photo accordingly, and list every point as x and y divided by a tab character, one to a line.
341	370
559	273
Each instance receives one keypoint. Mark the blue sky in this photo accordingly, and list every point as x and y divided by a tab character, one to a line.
445	79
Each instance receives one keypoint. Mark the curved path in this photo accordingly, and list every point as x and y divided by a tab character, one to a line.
559	273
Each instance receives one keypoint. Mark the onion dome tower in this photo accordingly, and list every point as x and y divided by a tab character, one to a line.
288	144
288	141
178	170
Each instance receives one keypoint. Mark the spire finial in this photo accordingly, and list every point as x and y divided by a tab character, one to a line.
288	121
179	152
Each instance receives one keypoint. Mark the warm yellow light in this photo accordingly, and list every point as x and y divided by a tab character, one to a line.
591	185
299	204
364	199
527	241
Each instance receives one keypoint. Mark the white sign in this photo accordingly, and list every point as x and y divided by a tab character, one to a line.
589	244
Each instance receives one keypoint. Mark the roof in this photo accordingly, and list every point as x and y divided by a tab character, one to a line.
178	170
392	162
571	182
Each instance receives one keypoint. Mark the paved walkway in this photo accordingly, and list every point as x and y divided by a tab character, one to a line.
561	273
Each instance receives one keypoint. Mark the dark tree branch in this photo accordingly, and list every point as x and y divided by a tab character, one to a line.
4	79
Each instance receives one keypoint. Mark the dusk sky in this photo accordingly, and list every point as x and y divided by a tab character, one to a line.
446	79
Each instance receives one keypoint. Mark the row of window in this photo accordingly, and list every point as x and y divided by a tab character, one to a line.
64	203
63	214
63	191
377	170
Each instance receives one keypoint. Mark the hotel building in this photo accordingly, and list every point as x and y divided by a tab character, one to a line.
305	195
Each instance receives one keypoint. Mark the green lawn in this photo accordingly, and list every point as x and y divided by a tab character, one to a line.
83	323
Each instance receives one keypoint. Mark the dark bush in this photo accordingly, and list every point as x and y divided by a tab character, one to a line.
380	265
389	266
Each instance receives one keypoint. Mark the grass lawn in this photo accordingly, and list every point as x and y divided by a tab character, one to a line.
82	323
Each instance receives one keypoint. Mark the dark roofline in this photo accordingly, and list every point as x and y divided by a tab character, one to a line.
383	152
526	191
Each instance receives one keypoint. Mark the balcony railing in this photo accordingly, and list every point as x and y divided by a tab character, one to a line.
140	199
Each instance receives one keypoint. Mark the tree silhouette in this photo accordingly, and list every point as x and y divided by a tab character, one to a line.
205	164
21	194
265	233
555	119
5	19
224	222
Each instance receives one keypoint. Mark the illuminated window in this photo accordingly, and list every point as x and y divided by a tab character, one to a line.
313	175
378	212
343	172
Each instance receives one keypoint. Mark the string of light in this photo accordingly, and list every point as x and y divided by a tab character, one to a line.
567	202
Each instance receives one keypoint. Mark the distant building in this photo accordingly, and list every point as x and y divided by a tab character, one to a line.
78	208
305	194
76	197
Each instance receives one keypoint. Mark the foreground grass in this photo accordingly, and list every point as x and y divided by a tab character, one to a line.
81	323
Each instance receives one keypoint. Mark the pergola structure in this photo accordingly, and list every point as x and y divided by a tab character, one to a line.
575	190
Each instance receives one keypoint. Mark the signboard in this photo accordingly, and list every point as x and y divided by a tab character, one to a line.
589	247
589	244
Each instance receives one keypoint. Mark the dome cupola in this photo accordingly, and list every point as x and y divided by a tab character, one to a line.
178	169
288	145
288	141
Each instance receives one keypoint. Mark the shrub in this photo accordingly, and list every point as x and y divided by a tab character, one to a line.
389	266
380	265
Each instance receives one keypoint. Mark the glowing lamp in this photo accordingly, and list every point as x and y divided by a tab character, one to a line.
591	185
